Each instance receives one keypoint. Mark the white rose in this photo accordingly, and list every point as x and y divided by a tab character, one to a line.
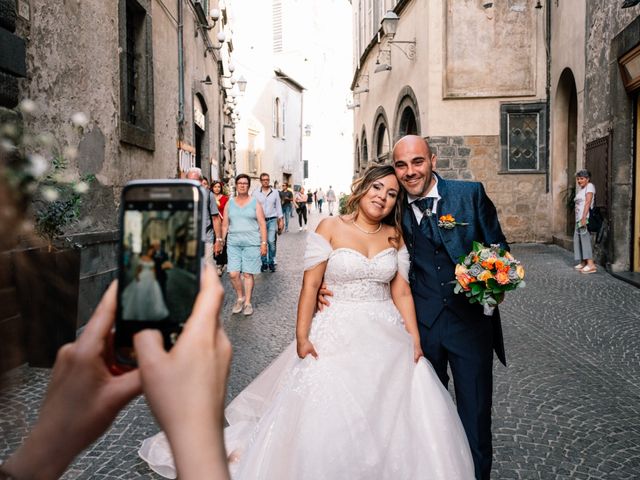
79	120
81	187
37	165
50	194
28	106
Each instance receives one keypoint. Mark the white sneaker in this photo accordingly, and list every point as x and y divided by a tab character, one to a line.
305	228
237	308
300	229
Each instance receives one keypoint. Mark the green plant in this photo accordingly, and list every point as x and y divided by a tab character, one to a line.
342	204
34	174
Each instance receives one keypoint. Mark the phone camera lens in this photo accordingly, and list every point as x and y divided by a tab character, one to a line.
150	205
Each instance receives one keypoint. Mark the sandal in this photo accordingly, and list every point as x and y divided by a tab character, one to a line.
237	308
588	269
579	266
248	309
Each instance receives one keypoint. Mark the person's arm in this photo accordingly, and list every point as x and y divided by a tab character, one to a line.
225	221
306	308
587	205
279	214
262	224
217	229
82	400
186	387
403	300
488	220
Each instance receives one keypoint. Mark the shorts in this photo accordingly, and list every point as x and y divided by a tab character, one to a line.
245	259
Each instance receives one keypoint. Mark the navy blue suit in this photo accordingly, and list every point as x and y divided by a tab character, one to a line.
453	331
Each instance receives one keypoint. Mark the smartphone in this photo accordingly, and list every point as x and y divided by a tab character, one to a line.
160	260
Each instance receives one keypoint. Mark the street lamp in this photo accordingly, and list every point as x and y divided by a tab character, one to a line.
390	23
242	84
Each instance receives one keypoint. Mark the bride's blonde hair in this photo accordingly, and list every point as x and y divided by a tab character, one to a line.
361	186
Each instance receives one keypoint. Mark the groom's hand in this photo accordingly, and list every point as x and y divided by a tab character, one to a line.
323	293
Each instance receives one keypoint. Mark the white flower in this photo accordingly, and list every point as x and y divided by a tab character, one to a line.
50	194
27	106
70	153
37	165
79	120
81	187
7	145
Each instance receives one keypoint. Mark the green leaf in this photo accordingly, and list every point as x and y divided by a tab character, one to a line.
477	246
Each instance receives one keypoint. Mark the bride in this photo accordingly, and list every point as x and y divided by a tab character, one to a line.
352	397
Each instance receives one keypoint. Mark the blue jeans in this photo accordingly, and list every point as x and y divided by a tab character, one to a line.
270	257
286	211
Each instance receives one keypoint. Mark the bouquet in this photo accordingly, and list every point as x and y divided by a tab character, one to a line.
485	274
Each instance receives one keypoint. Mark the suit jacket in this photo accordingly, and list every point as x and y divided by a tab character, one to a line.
468	203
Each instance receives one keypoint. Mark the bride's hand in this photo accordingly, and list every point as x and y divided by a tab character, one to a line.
417	351
305	347
323	293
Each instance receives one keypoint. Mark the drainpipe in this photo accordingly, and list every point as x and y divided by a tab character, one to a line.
547	40
180	68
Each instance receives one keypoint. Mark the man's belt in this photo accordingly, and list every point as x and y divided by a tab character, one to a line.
270	218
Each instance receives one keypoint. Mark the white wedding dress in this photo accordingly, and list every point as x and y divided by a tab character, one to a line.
142	299
363	410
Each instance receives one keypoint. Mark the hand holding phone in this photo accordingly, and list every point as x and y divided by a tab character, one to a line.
186	387
161	247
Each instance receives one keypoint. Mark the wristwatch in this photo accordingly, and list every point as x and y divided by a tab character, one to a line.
263	243
220	240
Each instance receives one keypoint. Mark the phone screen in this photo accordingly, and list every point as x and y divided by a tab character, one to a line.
159	266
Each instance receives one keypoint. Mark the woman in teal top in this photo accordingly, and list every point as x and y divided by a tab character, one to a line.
245	229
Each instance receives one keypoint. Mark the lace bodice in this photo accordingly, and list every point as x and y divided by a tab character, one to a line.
351	276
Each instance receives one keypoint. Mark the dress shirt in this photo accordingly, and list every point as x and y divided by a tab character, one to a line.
270	202
432	193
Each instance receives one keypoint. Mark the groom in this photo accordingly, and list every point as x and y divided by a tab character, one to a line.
452	331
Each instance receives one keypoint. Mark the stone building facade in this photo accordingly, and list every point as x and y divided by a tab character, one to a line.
153	79
471	77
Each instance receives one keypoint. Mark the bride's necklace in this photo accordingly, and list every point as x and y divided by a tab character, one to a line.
366	231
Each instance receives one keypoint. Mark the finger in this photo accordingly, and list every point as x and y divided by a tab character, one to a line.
127	386
149	347
102	319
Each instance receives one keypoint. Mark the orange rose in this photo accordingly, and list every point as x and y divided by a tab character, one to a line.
502	278
485	275
464	280
499	265
460	269
447	218
520	271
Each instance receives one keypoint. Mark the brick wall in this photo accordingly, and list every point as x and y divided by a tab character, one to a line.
522	203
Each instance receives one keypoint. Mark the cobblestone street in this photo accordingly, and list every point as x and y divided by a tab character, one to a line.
567	406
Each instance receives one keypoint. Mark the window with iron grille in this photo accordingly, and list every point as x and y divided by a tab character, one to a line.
136	74
523	137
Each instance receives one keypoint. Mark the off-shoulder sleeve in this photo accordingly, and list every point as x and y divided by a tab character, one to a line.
403	262
317	251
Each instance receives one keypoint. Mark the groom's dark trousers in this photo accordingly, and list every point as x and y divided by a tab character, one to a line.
454	332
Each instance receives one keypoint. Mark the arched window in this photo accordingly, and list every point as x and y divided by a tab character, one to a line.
381	140
364	151
407	116
408	124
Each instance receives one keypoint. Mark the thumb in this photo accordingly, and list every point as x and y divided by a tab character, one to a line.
149	347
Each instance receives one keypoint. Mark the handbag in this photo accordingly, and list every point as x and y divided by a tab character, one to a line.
594	225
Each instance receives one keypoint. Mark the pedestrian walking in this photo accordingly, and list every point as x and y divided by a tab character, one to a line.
300	204
217	188
315	199
585	199
270	201
320	196
286	199
245	228
309	201
331	199
212	224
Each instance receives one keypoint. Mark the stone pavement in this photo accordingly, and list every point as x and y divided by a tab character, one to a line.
567	406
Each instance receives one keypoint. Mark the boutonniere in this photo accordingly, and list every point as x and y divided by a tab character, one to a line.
447	221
